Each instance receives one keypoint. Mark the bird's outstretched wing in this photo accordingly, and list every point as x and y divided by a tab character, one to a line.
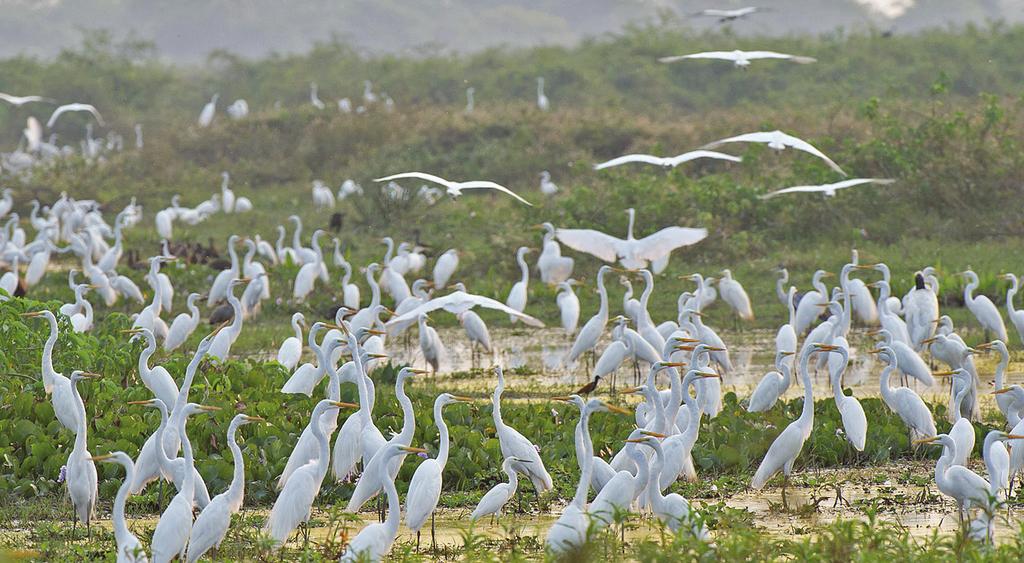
827	187
417	175
20	100
758	137
774	55
459	302
488	185
74	107
592	242
645	158
803	145
694	155
719	55
661	243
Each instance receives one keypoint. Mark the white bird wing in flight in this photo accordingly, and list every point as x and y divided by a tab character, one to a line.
661	243
645	158
694	155
459	302
488	185
827	187
21	100
718	55
803	145
773	55
74	107
453	187
774	136
596	243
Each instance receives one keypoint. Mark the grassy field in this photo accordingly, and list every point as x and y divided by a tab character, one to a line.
940	112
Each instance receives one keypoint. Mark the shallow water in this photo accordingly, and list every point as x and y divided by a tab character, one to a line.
752	353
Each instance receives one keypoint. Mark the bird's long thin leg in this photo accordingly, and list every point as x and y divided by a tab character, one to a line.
785	481
433	537
417	540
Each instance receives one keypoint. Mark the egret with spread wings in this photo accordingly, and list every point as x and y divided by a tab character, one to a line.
22	100
632	253
454	189
740	58
457	302
667	162
75	107
828	189
779	141
728	15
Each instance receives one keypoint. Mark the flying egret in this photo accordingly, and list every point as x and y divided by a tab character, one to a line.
425	485
74	107
455	303
454	189
739	58
828	189
22	100
779	141
729	15
668	161
631	252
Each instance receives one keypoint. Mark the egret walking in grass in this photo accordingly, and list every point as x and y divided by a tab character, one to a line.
81	471
129	548
498	496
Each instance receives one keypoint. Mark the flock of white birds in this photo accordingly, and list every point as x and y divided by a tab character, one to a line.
684	351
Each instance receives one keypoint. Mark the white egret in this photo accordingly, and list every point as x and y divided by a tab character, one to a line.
476	331
445	267
618	494
374	542
470	103
554	268
786	447
903	400
206	116
543	103
1016	316
290	352
672	509
735	296
350	291
129	548
855	422
631	252
547	187
772	385
887	317
1006	403
314	98
430	344
219	290
74	107
172	469
454	189
997	462
220	348
568	306
515	445
962	431
56	384
211	526
157	379
729	15
455	303
982	307
778	140
82	321
921	311
183	325
829	190
371	481
909	362
667	162
425	485
809	307
170	539
517	295
966	487
310	271
81	478
498	496
295	503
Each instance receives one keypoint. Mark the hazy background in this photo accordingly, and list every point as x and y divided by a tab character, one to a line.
188	30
